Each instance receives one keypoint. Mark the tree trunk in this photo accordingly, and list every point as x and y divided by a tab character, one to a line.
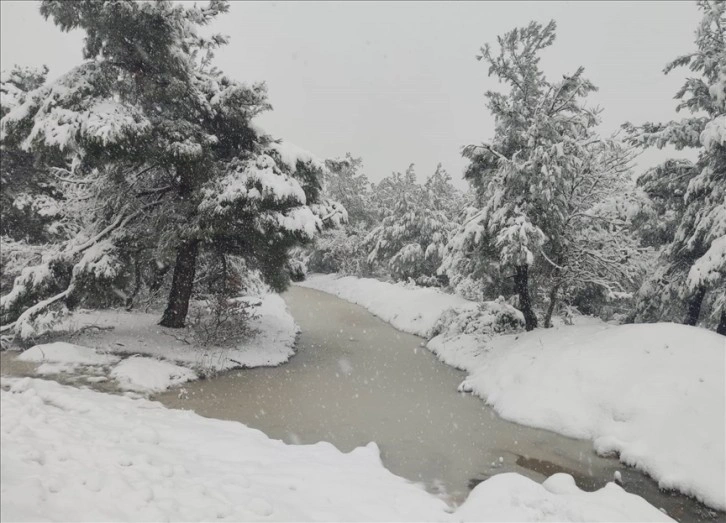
721	329
521	283
137	282
181	285
551	307
694	306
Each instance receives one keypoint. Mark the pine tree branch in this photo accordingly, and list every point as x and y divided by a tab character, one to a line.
68	180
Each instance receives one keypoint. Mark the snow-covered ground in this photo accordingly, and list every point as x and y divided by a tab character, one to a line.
72	454
161	357
653	393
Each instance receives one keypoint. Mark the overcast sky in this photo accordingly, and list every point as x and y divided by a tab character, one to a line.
398	82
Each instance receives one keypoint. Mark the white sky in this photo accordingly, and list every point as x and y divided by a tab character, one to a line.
398	82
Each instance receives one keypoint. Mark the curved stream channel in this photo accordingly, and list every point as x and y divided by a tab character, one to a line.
356	379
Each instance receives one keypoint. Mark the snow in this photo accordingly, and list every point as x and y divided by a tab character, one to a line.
511	497
709	268
108	122
250	183
714	133
139	333
150	375
100	261
290	154
103	337
408	308
299	220
77	455
652	393
62	352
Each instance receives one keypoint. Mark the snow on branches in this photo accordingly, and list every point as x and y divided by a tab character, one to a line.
411	238
680	287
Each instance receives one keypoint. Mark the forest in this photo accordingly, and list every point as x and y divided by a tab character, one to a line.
140	176
201	320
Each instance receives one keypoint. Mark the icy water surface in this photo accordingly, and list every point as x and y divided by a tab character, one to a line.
356	379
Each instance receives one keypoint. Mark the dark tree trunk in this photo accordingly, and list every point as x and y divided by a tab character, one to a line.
694	306
181	285
137	282
521	283
721	329
551	307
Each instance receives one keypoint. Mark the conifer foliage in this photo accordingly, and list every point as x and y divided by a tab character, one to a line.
539	181
692	267
164	146
416	224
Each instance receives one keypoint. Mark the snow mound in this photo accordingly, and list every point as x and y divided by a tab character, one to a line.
511	497
408	308
652	393
141	374
67	353
77	455
460	334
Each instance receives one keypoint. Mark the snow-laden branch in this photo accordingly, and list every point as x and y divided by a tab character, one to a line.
27	316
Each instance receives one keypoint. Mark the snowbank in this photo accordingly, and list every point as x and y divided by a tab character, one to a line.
512	497
73	454
652	393
408	308
138	333
62	352
150	375
124	333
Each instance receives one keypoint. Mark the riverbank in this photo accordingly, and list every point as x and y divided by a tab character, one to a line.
74	454
651	394
130	351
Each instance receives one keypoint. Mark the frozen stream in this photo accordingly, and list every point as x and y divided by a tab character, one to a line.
356	379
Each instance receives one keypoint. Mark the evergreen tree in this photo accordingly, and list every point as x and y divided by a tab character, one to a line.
344	183
538	180
693	264
339	249
164	142
411	238
30	199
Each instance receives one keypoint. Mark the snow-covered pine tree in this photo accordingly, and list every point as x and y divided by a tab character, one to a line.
662	203
164	144
411	237
29	198
533	178
339	249
346	184
441	195
693	265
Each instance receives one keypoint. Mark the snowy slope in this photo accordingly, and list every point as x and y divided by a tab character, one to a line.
653	393
76	455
